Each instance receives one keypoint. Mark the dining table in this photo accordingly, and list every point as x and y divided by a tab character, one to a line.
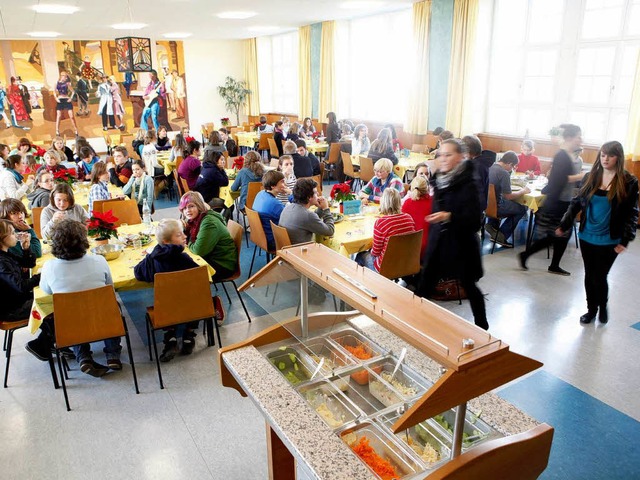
532	200
407	162
121	269
353	233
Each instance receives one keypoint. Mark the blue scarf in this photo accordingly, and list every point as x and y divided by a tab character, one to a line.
17	175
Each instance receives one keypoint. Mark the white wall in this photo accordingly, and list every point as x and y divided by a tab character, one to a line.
207	64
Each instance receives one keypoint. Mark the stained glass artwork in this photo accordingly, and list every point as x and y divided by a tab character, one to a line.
133	54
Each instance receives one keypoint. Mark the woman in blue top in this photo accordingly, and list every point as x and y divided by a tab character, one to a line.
63	93
608	200
252	171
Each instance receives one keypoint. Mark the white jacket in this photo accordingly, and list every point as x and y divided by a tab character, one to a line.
104	92
9	186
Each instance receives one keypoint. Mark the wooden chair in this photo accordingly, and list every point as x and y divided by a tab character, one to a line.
178	182
236	231
402	256
333	157
431	141
258	237
102	206
492	212
318	180
419	148
263	142
252	192
273	148
36	217
126	211
88	316
179	160
349	170
366	169
280	235
170	292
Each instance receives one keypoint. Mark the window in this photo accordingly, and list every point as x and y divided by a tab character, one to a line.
554	61
372	58
278	73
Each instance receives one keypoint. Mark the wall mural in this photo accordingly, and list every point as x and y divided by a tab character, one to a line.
96	92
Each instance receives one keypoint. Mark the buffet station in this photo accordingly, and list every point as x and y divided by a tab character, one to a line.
358	378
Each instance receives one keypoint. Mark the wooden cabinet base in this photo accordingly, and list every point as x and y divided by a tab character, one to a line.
282	465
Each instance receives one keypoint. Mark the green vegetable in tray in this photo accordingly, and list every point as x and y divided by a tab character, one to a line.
292	357
281	366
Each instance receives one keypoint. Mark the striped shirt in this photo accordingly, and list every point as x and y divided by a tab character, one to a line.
384	228
375	188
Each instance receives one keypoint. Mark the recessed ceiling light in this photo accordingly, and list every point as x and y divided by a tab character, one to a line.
264	29
128	26
54	8
361	4
236	15
177	35
43	34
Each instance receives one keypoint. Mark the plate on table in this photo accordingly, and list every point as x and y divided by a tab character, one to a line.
337	217
130	238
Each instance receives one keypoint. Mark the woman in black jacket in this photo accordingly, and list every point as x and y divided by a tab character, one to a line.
212	177
382	147
333	129
16	290
608	201
453	249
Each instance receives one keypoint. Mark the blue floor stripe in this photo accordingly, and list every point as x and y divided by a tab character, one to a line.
636	326
591	441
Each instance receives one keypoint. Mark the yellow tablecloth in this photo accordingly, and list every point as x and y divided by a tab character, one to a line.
163	159
532	200
247	139
316	148
352	235
121	272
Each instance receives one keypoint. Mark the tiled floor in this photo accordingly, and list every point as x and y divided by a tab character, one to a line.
196	429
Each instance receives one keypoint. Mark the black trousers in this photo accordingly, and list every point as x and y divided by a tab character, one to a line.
112	119
559	246
597	260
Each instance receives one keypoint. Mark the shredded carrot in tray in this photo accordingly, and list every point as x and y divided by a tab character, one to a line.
358	352
382	467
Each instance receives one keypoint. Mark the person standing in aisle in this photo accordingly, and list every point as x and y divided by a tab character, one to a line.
559	191
608	201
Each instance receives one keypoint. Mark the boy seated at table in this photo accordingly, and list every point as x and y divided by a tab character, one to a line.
508	208
301	223
527	162
267	205
72	270
169	256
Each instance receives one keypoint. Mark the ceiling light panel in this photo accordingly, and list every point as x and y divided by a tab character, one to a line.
43	34
128	26
236	15
55	8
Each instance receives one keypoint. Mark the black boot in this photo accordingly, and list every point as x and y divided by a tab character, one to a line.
603	315
40	347
588	317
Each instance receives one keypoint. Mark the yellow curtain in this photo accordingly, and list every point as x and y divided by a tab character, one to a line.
419	108
465	19
632	143
304	56
327	100
251	76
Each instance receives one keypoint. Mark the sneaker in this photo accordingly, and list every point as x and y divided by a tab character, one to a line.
558	271
38	349
170	350
220	314
188	344
93	368
502	241
522	257
114	364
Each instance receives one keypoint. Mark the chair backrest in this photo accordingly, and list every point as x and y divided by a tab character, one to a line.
254	188
87	316
334	152
418	147
102	206
347	165
280	235
126	211
492	203
237	233
36	214
318	180
274	163
366	169
273	148
263	143
177	179
402	255
431	140
182	296
179	160
257	234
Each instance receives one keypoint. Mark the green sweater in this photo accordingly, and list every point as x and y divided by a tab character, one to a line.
36	246
214	243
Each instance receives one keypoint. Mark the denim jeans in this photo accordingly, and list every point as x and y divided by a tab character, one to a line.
152	110
365	259
513	212
112	349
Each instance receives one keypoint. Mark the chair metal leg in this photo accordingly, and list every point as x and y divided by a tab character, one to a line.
215	325
64	385
459	296
227	293
4	344
130	353
495	237
54	375
155	351
252	260
208	324
241	300
148	325
244	224
8	355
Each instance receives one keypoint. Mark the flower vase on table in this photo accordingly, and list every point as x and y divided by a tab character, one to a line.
341	192
102	226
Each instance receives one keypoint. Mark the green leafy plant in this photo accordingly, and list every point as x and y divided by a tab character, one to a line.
234	93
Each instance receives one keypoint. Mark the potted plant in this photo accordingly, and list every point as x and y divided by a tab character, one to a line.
341	192
224	121
234	93
556	135
102	226
67	176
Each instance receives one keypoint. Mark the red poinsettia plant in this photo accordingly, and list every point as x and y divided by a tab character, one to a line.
316	136
189	139
67	176
341	192
224	121
39	154
256	126
102	225
238	163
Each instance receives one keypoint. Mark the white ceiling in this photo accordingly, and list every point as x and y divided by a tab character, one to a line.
163	16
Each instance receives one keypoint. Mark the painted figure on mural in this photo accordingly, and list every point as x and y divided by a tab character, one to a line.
129	79
82	95
105	107
63	94
180	94
3	97
24	93
118	107
169	88
87	71
34	98
153	97
15	99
